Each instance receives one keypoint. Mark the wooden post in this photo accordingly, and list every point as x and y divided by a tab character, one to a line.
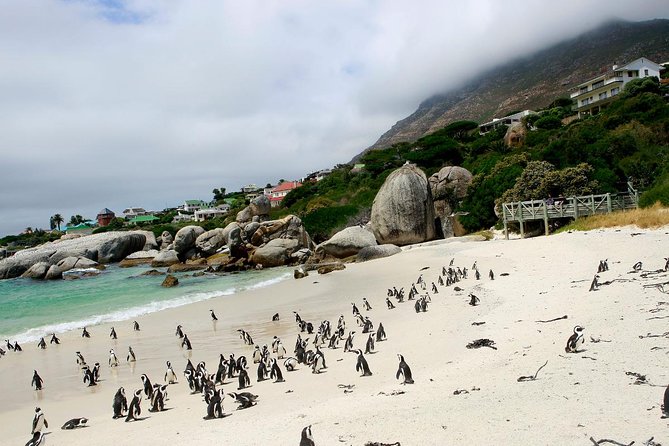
545	218
592	200
506	228
608	203
520	219
575	208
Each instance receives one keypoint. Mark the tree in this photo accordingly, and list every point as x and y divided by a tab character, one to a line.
76	220
219	194
56	220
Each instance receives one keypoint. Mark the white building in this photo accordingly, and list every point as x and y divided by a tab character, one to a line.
182	217
130	213
195	205
206	214
592	95
506	120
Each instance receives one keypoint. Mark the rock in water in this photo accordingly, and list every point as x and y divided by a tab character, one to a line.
170	281
347	242
165	258
403	211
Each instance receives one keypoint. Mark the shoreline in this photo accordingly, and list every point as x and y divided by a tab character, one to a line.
548	277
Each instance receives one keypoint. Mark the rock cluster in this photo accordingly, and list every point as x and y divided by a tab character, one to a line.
449	186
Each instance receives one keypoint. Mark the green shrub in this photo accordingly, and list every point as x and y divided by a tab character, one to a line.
548	122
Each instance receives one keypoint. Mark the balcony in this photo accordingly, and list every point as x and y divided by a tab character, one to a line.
596	85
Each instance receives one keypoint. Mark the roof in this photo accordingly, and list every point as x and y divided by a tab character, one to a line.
106	211
287	185
276	198
610	71
78	227
194	202
143	219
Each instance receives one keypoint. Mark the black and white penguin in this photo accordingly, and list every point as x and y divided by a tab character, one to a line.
404	371
148	387
334	341
42	344
666	264
275	318
37	440
244	399
37	381
665	409
213	315
389	303
120	403
112	334
477	274
361	365
179	332
355	309
131	355
96	372
491	275
318	363
89	377
575	341
222	370
75	423
85	333
80	359
348	345
257	354
367	325
215	404
135	326
158	398
369	345
380	333
170	376
9	345
262	371
366	304
39	421
113	360
243	380
280	350
290	364
594	285
186	343
135	409
54	339
275	372
473	300
434	288
307	439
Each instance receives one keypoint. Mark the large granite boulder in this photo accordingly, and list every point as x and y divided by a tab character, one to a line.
210	242
275	252
289	227
37	271
347	242
151	243
260	206
139	258
515	135
165	258
448	187
403	211
236	243
119	248
377	252
166	240
184	240
245	215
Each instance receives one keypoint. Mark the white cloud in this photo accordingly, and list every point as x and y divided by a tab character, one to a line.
114	103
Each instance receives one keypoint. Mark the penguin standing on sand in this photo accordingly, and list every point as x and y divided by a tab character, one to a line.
215	404
666	264
158	398
275	318
348	345
39	421
80	359
637	267
85	333
262	371
575	341
361	365
37	381
120	403
213	316
473	300
389	303
369	346
96	372
135	326
355	309
113	360
9	345
89	378
257	355
275	372
307	439
594	285
131	355
112	334
179	332
491	275
148	387
135	410
243	380
54	339
366	304
17	347
42	344
37	439
318	361
186	342
404	371
170	376
380	333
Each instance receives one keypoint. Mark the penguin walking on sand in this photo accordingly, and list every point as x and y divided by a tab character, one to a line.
473	300
179	332
39	421
594	285
491	275
170	376
348	345
280	350
637	267
369	345
404	371
307	439
213	316
477	274
17	347
9	345
148	387
575	341
131	355
243	380
366	304
42	344
135	326
135	409
89	377
257	354
318	362
275	372
361	365
54	339
380	333
434	288
113	360
112	334
158	398
85	333
120	403
80	359
37	381
74	423
186	342
389	303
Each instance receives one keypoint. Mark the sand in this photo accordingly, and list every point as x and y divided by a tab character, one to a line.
575	396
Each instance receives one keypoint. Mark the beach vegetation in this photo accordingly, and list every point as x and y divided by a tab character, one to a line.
651	217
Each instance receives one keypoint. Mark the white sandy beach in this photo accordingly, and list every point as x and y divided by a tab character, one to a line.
575	396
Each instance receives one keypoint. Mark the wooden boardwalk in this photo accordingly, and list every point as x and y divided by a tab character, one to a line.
572	207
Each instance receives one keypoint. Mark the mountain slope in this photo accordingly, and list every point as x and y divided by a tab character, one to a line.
535	81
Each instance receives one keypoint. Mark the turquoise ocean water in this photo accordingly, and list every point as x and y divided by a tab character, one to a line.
30	309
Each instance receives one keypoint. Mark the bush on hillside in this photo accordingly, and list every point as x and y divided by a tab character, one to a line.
548	122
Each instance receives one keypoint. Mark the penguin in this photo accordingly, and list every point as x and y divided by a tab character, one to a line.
380	333
366	304
334	341
307	439
473	300
112	334
491	275
451	263
2	352
232	366
54	339
298	319
369	346
80	359
9	345
423	303
245	399
275	372
39	421
131	355
89	377
158	398
355	309
280	350
348	345
170	376
389	304
404	371
85	333
135	409
148	387
222	369
215	404
666	264
594	285
257	355
434	288
37	440
42	344
17	347
179	332
135	326
637	267
290	364
213	316
75	423
665	409
186	342
113	360
477	274
367	326
361	365
120	403
96	372
243	380
37	381
262	371
575	341
275	318
318	362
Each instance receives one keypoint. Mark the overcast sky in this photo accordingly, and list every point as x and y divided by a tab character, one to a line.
113	103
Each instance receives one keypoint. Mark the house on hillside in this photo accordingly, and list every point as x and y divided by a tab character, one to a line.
591	96
143	219
194	205
280	191
130	213
506	121
105	216
85	228
317	176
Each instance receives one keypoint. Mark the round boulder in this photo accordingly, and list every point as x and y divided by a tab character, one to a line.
377	252
515	135
450	183
170	281
260	205
403	211
210	242
347	242
165	258
184	240
275	252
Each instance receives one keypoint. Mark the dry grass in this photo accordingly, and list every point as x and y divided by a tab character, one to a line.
652	217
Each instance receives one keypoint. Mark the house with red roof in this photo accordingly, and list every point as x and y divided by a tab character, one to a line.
278	192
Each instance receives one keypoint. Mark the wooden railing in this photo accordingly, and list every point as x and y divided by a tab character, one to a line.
572	207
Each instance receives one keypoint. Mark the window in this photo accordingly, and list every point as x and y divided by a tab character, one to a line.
615	91
630	74
645	72
597	84
602	96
